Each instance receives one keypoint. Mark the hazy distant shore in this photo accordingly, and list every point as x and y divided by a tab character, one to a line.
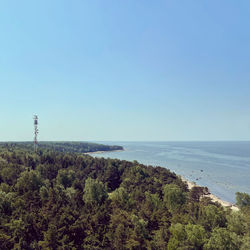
101	152
213	197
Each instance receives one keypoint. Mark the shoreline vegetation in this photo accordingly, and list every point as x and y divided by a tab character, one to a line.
213	197
64	146
190	185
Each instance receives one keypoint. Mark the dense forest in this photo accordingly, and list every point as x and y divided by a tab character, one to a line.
69	147
68	200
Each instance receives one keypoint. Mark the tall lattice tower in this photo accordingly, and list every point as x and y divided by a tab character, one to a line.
35	132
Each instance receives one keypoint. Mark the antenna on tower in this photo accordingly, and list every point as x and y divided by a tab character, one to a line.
35	132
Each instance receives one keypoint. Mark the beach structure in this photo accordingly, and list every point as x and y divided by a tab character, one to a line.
35	132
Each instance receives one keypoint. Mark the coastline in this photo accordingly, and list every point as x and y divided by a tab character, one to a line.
213	197
190	184
101	152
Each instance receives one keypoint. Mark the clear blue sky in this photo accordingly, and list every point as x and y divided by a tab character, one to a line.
125	70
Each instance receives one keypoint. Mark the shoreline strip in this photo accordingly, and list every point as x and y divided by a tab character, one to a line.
190	184
213	197
101	152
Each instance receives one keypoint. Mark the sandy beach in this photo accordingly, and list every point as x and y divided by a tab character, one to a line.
213	197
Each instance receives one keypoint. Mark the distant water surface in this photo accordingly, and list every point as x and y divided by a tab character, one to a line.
224	167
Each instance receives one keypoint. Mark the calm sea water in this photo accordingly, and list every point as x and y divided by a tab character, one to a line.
224	167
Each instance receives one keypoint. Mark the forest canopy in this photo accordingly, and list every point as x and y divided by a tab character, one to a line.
59	198
69	147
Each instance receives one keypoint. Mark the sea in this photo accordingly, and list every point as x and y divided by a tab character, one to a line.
223	167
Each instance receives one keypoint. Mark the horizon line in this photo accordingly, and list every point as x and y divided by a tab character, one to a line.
128	141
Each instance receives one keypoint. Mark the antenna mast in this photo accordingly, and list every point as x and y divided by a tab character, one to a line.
35	132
